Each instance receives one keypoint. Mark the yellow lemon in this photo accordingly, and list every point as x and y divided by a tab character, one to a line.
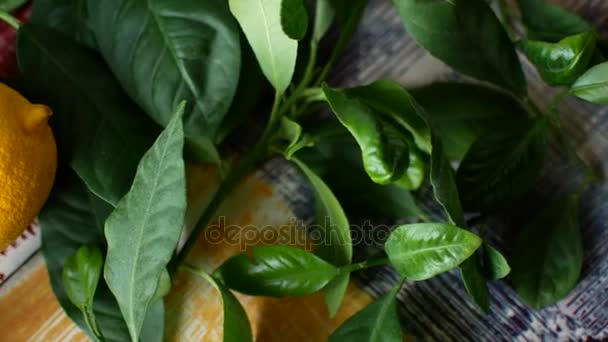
28	162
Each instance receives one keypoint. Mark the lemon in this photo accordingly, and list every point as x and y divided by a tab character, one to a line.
28	162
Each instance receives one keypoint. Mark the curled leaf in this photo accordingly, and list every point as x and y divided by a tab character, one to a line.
562	62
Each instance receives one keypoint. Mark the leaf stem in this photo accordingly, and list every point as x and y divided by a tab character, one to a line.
310	67
89	318
532	108
554	104
197	271
366	264
9	19
233	178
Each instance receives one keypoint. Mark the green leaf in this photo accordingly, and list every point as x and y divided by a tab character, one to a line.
466	35
236	323
391	100
378	322
154	325
592	86
294	18
475	282
275	51
324	16
416	171
550	23
335	244
250	93
549	254
562	62
73	217
495	264
446	194
502	166
144	229
384	149
291	132
11	5
178	50
163	287
444	184
97	127
276	271
424	250
333	293
466	112
336	158
69	17
81	273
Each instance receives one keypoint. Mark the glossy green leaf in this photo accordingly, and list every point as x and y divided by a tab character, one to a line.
390	99
66	16
466	35
549	254
275	51
446	194
335	245
444	186
74	217
276	271
333	293
592	86
475	282
495	264
178	50
144	229
236	323
324	16
336	158
466	112
378	322
416	171
294	18
548	22
562	62
502	166
81	273
384	150
11	5
424	250
99	131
